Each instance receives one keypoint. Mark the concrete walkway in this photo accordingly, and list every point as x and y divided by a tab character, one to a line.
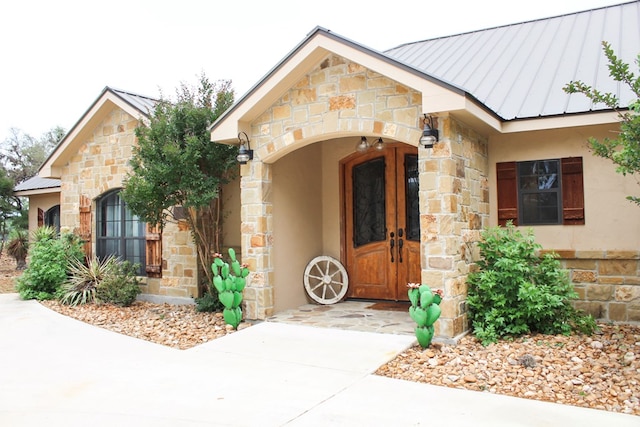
56	371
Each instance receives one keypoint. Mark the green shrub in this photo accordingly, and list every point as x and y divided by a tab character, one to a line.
49	260
208	303
120	286
80	287
516	291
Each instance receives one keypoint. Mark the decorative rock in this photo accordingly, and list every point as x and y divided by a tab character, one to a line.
628	358
470	379
597	345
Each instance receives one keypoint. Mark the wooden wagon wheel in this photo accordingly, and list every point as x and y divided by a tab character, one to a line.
325	280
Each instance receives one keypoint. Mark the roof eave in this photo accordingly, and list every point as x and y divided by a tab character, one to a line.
318	43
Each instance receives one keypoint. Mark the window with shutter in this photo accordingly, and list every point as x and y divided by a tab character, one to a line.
119	232
541	192
52	217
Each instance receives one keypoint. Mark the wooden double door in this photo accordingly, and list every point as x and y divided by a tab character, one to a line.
381	217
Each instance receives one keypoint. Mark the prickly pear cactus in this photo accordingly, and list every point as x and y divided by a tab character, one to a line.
424	310
230	280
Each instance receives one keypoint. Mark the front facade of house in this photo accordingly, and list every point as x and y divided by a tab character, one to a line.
411	214
511	147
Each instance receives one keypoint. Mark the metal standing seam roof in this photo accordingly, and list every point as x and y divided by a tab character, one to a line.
518	71
37	183
142	103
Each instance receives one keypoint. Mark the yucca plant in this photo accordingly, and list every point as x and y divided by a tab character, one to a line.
80	287
18	248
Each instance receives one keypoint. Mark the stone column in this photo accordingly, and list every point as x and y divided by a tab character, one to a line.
257	241
454	202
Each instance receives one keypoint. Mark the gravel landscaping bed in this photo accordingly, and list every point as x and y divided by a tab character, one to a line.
601	371
177	326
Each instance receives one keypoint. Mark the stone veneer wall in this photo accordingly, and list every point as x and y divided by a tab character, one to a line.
454	183
100	165
607	283
342	98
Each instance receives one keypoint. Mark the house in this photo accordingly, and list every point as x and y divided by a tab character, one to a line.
340	167
77	189
511	145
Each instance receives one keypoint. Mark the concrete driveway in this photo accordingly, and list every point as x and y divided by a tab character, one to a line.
56	371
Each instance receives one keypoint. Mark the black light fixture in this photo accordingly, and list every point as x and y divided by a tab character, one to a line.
245	153
430	135
364	145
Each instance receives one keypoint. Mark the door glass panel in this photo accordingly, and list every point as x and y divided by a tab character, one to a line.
369	202
413	205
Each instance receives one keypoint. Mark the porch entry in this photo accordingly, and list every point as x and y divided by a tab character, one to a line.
381	217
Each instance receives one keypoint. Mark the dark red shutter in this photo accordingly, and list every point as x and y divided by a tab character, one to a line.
40	217
507	186
572	191
153	251
85	224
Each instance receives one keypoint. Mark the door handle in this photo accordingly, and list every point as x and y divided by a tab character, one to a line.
392	243
400	244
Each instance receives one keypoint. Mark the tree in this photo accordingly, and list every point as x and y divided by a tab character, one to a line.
176	164
624	150
9	204
22	155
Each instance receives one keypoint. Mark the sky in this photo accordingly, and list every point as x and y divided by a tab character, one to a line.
58	55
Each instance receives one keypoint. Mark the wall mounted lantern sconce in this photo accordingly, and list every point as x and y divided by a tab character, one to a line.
364	145
245	153
430	135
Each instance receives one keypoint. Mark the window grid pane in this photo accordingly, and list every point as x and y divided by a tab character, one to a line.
120	233
539	192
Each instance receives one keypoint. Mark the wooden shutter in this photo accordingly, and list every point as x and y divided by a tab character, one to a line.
572	191
40	217
85	224
153	251
507	186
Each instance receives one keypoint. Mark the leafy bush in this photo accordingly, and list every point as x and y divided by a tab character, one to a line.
208	303
120	286
49	260
108	281
517	291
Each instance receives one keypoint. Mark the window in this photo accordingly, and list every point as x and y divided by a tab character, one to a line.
52	218
119	232
541	192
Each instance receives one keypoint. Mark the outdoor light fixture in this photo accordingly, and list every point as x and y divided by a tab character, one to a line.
364	145
245	153
429	133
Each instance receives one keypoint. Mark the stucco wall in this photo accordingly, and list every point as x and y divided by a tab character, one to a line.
40	201
298	219
611	222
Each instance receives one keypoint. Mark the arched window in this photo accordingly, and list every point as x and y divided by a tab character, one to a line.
52	217
119	232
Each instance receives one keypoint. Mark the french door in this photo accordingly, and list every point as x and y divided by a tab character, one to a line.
381	245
